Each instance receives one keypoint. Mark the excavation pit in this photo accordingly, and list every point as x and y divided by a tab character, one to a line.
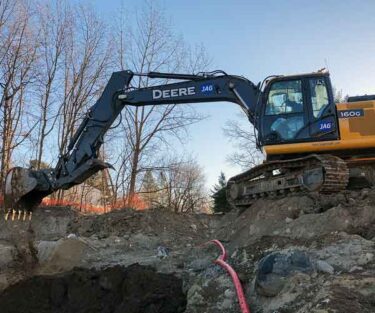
133	289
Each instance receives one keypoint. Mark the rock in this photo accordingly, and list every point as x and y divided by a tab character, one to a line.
145	242
194	227
352	250
225	305
306	204
59	256
194	297
228	293
51	224
199	264
364	193
212	271
356	269
162	252
275	269
323	266
367	258
270	286
45	249
245	257
288	220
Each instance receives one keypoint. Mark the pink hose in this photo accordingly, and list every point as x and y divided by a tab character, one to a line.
236	281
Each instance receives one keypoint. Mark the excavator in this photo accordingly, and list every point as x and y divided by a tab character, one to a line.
310	143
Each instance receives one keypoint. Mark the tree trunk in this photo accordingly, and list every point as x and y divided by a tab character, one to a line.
133	175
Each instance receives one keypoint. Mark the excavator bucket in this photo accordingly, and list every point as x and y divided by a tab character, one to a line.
21	191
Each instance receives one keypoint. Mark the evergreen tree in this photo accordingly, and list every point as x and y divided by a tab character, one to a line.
149	189
165	191
219	195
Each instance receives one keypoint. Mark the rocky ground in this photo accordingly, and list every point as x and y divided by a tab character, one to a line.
297	254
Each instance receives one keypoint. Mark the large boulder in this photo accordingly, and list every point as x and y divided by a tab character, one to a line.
276	268
61	255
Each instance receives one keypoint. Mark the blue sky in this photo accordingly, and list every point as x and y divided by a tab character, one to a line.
260	38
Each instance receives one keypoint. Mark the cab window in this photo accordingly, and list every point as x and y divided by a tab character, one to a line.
319	96
284	112
285	97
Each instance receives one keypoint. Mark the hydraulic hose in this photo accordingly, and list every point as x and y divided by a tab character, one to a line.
221	260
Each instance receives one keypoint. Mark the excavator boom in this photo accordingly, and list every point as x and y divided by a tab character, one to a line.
25	188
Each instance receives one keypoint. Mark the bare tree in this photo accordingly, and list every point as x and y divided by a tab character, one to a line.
152	46
17	57
7	10
54	20
85	65
57	57
181	187
242	135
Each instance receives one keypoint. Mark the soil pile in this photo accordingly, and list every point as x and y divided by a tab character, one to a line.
307	253
135	289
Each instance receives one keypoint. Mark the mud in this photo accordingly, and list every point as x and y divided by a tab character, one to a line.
135	289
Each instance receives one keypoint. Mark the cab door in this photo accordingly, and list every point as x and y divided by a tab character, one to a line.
322	109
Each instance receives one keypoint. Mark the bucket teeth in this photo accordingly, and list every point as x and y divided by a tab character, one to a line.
7	215
20	215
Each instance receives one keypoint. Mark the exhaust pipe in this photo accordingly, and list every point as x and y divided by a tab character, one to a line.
25	188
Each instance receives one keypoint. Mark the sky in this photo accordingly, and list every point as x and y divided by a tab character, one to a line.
257	38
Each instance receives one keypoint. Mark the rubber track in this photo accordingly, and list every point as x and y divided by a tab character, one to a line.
336	174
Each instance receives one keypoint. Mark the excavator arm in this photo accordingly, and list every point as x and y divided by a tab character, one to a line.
25	188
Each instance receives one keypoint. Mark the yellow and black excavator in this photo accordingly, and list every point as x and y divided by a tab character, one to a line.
311	144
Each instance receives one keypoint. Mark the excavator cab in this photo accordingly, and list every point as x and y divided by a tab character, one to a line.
297	109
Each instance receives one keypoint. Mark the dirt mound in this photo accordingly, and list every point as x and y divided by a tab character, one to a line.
129	221
173	227
135	289
335	232
304	218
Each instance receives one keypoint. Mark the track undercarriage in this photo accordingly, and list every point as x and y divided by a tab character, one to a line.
313	173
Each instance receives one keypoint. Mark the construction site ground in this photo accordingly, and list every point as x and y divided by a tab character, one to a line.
307	253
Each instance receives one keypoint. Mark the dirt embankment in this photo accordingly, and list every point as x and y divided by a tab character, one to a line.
297	254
